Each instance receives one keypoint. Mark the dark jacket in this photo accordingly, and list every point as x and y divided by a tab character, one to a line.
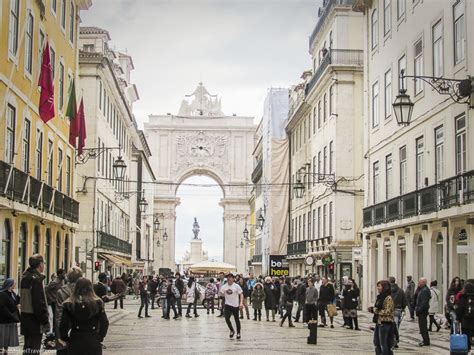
258	296
87	325
245	290
277	292
465	301
350	298
118	286
326	294
34	308
289	294
63	294
141	288
180	285
398	297
422	301
100	290
270	300
52	290
8	307
169	291
301	293
410	292
152	286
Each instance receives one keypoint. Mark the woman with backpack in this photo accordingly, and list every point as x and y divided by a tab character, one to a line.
192	296
464	307
210	294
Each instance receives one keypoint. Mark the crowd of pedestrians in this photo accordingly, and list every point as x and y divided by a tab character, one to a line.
70	310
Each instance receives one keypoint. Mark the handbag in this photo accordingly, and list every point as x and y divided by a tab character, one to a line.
457	340
332	310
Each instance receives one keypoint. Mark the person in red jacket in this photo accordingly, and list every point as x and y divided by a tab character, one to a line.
118	288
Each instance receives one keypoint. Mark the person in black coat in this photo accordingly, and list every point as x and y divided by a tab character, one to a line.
34	315
422	306
152	287
327	295
84	323
350	302
100	288
270	301
9	315
300	298
399	303
464	307
289	294
180	286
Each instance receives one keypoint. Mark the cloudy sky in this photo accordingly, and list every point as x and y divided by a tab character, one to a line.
237	48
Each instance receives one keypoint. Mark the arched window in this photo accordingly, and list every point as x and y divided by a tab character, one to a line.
66	252
5	250
58	249
375	28
22	249
420	256
439	259
47	254
36	237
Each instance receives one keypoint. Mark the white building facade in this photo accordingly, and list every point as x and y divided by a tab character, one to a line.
325	129
419	184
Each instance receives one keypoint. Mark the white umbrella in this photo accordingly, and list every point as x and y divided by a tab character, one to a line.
209	266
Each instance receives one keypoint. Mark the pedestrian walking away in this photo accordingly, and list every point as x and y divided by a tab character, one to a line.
118	288
34	308
327	296
350	301
9	315
180	286
465	311
400	304
422	307
233	301
210	294
409	294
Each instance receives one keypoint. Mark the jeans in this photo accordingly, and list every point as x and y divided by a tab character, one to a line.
164	305
423	325
192	305
397	318
232	311
383	338
210	305
170	303
298	311
288	310
144	303
153	298
246	307
433	321
179	306
117	300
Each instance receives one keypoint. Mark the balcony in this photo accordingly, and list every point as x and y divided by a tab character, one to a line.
324	13
110	242
257	172
350	57
451	192
257	258
18	186
297	248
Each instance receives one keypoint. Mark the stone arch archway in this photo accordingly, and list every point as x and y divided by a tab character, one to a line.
201	140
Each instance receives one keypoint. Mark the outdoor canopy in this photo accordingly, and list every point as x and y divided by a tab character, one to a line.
210	266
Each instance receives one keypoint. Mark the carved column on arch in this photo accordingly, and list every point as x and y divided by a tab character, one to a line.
165	208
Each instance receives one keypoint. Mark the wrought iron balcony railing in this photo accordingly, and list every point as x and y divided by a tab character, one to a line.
257	258
297	248
451	192
110	242
257	172
18	186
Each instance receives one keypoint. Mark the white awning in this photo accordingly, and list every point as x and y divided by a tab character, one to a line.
209	266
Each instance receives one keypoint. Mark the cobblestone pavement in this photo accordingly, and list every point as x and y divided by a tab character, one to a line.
209	335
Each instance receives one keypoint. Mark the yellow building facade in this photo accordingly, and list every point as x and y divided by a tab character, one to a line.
38	212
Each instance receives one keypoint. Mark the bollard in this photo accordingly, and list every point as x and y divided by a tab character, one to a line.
313	332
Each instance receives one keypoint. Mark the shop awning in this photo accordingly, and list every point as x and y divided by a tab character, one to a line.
115	259
211	266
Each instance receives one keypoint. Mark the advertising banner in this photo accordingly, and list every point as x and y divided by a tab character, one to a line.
276	266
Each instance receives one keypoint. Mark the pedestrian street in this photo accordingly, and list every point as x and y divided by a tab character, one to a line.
208	334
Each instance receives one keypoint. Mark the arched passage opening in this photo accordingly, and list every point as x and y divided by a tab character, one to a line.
199	197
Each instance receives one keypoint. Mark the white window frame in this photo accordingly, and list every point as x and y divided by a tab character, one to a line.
459	31
375	105
374	29
72	22
437	48
439	153
418	68
29	43
460	144
13	28
387	17
388	176
26	146
401	8
376	181
61	73
420	162
403	169
62	16
388	93
39	154
10	133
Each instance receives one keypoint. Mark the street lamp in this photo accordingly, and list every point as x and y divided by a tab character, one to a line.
246	233
460	91
143	204
156	224
165	236
261	221
298	188
119	168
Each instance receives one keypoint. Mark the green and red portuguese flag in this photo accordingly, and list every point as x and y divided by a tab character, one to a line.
77	126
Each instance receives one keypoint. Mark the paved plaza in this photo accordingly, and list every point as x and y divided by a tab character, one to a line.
209	335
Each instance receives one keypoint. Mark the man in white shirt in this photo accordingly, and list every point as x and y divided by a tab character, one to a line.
234	299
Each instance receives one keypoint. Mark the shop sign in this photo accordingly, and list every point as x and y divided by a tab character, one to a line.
327	259
276	266
356	253
465	249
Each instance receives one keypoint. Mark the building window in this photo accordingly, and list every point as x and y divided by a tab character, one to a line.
374	28
388	176
21	263
41	39
325	159
420	256
29	44
437	34
63	14
54	5
331	157
66	252
47	253
439	154
309	226
402	65
332	103
403	169
375	104
400	8
13	28
299	228
388	93
319	114
376	181
420	162
53	61
60	169
319	222
387	16
304	227
315	117
39	154
5	251
58	249
72	22
10	134
330	218
61	86
460	144
418	66
459	31
50	163
26	146
313	235
68	175
36	237
314	169
325	105
325	216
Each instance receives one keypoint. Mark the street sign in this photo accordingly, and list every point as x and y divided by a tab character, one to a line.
276	266
357	253
465	249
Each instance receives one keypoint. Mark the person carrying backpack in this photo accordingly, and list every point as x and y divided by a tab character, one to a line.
464	308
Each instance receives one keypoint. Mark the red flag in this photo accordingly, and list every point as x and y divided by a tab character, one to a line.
82	127
45	82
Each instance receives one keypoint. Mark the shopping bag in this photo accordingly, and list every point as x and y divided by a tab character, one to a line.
457	340
332	311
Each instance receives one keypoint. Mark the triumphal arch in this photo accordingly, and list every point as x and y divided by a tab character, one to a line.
202	140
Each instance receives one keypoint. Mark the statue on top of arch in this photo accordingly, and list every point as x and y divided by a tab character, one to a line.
202	104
